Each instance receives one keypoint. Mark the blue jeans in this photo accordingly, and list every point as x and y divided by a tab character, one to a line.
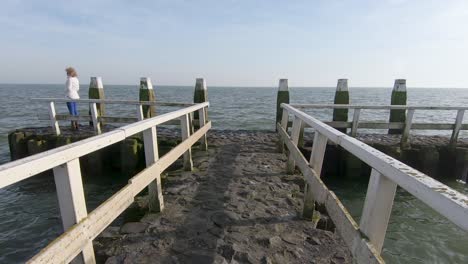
72	108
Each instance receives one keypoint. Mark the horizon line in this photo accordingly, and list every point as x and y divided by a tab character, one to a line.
254	86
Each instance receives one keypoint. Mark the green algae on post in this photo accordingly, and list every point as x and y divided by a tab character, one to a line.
341	97
283	97
147	94
96	91
398	98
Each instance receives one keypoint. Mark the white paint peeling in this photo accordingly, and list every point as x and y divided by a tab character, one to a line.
342	85
145	83
96	82
200	84
283	85
400	85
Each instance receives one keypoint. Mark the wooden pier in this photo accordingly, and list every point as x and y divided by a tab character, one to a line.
260	167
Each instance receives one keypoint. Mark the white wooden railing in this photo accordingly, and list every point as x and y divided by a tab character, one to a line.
406	126
366	239
95	117
80	228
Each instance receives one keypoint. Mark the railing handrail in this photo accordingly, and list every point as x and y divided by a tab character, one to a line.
376	107
443	199
21	169
366	239
110	101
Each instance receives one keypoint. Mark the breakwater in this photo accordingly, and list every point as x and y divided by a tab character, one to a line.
306	133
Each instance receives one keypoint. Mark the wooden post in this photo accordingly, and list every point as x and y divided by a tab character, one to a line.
53	119
185	126
201	122
296	129
398	98
284	124
355	125
282	97
147	95
72	202
96	91
456	129
95	118
377	208
200	95
341	97
407	128
316	162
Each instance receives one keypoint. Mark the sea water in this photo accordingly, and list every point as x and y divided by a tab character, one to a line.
29	216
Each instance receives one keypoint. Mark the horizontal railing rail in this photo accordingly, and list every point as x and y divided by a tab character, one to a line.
367	238
95	118
111	101
378	107
406	126
79	227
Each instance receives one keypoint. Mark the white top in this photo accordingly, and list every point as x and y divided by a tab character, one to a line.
72	87
342	85
283	85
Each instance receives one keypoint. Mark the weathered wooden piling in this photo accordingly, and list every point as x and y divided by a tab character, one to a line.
341	97
282	97
398	98
96	91
18	145
147	94
200	96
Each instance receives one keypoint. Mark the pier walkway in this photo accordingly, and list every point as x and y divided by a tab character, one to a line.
238	205
251	197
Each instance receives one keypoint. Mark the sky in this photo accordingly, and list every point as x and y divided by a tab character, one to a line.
237	42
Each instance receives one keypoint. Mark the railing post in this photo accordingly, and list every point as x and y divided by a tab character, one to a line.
355	125
377	208
201	122
150	141
282	97
200	95
398	98
457	127
72	202
96	91
316	162
407	128
185	126
53	118
341	97
95	118
296	129
147	94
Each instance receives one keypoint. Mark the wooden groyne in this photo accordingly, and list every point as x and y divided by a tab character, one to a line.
257	204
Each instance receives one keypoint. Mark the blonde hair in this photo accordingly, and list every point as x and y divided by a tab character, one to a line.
71	71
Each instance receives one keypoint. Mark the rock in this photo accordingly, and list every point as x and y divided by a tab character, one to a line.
113	260
314	241
292	238
110	232
150	218
243	257
220	219
133	227
266	260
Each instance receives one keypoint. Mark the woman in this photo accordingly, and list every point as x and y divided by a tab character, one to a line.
72	87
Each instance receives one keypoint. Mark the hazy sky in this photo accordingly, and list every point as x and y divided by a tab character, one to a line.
236	42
